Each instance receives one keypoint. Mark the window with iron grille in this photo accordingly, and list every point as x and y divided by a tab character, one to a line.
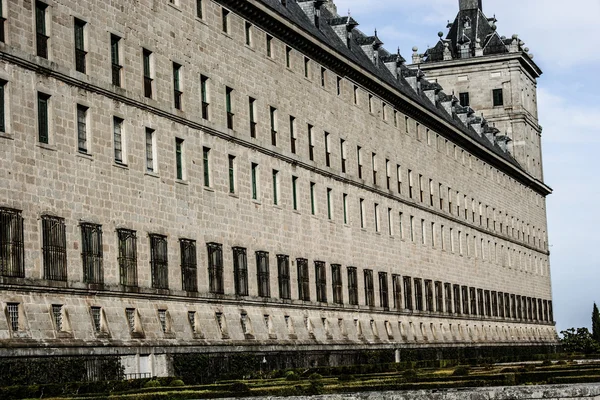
473	299
397	290
448	297
240	271
57	316
215	267
384	299
352	286
159	261
13	316
321	281
162	318
54	248
418	294
464	99
40	29
498	97
303	280
369	290
204	95
118	140
43	127
192	320
148	80
12	249
96	318
91	253
130	314
263	274
82	128
408	301
127	257
80	53
336	281
177	92
189	266
283	269
2	102
115	60
439	297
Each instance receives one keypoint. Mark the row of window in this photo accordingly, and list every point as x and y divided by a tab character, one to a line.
476	302
497	98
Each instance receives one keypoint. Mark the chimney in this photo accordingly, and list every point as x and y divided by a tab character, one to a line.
470	5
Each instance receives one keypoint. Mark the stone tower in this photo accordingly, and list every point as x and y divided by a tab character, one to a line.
494	75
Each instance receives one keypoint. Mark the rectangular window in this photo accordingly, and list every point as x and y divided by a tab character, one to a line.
263	274
57	316
91	253
343	154
339	86
306	67
159	262
401	225
232	174
189	265
118	140
12	249
2	98
429	296
148	73
390	222
355	94
97	319
376	215
283	269
275	187
388	173
311	145
225	20
254	173
320	282
240	271
215	267
352	286
447	298
464	99
457	299
127	257
179	167
82	129
323	75
150	148
206	166
498	97
327	150
288	56
345	206
80	53
397	289
228	107
329	209
204	96
54	248
369	290
303	280
418	294
269	45
292	135
412	228
359	161
43	118
336	281
374	167
273	118
115	57
294	192
199	10
252	116
177	91
248	32
384	300
410	184
361	210
423	235
408	302
473	298
40	29
370	103
313	205
421	189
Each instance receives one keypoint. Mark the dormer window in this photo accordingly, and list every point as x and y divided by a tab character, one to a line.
467	23
465	50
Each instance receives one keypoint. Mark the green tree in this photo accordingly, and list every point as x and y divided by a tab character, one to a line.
596	324
579	341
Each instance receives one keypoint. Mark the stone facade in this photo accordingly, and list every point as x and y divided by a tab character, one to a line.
386	181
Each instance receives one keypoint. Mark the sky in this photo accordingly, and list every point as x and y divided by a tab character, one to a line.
561	39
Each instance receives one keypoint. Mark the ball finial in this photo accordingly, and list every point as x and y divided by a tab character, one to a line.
415	49
440	34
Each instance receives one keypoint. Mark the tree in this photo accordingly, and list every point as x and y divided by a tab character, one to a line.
596	324
579	341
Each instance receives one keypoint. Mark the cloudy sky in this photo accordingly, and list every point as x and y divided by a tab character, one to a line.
569	99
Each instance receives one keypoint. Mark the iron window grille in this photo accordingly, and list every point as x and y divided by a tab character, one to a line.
321	281
429	296
13	316
263	274
303	279
147	55
336	282
352	286
80	53
418	294
162	318
189	266
215	267
397	289
57	316
40	29
54	248
408	303
91	253
12	249
240	271
115	62
159	262
192	320
130	314
384	300
283	269
369	291
82	128
127	257
97	318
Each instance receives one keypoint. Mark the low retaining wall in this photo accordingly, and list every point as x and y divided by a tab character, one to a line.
552	392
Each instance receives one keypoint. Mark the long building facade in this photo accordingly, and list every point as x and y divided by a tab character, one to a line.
217	176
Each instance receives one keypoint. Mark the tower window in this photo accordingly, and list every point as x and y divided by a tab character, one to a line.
498	97
464	99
